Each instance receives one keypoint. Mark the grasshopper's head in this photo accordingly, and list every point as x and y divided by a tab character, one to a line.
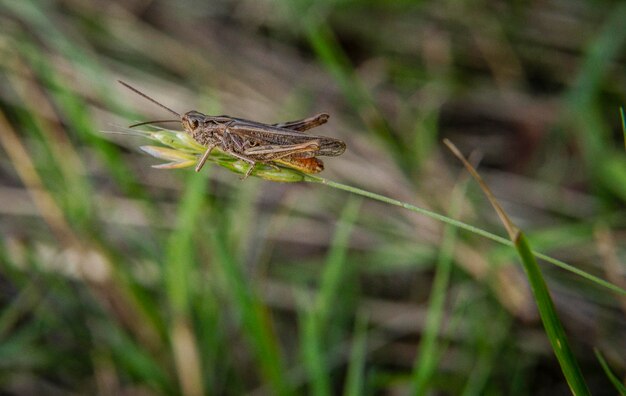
193	121
194	124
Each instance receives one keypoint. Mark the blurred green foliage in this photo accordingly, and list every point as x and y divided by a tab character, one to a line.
117	278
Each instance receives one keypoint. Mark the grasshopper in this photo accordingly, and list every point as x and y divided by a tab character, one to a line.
255	142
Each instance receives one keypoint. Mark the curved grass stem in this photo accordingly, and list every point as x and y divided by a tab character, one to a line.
478	231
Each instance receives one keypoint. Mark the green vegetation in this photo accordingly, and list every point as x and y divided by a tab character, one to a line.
116	277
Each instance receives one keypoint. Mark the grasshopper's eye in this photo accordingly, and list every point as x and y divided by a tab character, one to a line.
193	120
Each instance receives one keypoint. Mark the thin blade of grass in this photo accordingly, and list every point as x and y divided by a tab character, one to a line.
355	381
24	166
212	345
312	347
606	169
256	322
508	224
614	173
20	350
318	318
335	269
134	361
180	245
330	53
427	358
619	386
552	324
478	231
61	157
85	63
582	98
623	118
490	344
179	265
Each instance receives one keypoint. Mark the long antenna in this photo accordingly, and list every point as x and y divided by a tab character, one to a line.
138	92
151	122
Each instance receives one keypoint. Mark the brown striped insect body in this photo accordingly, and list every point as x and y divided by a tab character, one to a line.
255	142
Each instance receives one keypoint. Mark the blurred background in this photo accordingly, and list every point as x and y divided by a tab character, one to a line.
118	278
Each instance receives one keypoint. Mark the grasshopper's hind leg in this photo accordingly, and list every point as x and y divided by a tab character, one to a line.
248	160
276	151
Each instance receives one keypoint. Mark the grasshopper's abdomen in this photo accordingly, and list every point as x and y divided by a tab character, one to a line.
331	147
305	165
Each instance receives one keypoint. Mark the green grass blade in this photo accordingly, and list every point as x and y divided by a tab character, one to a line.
619	386
459	224
426	361
85	63
592	131
335	269
212	345
180	248
613	174
313	356
180	264
74	184
256	322
623	118
492	338
547	312
355	381
317	320
132	360
549	317
601	53
329	52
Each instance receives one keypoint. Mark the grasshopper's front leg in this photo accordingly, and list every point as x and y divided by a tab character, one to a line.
204	157
304	124
226	143
234	145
